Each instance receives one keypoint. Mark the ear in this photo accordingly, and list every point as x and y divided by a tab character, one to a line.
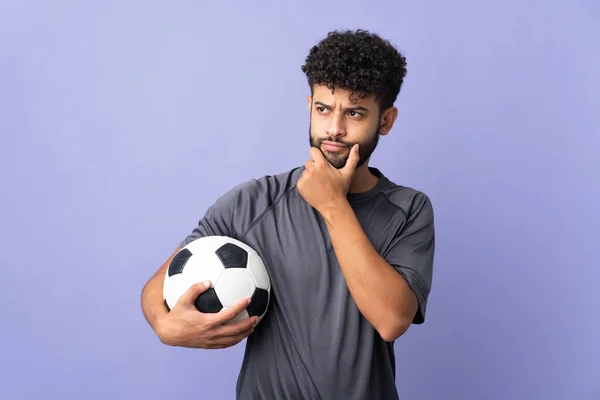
309	98
388	117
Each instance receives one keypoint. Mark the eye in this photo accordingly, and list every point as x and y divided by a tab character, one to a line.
355	114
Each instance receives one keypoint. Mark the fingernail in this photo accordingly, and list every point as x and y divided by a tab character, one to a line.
206	283
248	301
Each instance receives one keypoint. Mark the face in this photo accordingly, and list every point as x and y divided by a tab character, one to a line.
339	121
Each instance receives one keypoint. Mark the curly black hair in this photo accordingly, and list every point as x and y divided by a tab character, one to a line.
358	61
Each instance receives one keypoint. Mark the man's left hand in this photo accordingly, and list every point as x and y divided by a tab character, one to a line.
321	184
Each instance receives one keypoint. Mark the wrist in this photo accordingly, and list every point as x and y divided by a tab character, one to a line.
335	209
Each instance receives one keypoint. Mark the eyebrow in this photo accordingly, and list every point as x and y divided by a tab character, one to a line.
353	108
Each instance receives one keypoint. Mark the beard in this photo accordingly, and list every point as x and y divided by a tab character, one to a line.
367	147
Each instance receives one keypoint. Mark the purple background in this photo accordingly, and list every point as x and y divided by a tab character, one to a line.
117	119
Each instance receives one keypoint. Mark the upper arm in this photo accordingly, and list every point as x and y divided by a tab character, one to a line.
411	253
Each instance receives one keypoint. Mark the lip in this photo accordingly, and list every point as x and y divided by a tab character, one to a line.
331	146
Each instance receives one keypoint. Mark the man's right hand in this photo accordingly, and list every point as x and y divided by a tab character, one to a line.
185	326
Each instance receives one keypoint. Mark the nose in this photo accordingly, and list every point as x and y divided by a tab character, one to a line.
337	127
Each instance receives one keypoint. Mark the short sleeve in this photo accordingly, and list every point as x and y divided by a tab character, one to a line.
234	212
411	252
218	219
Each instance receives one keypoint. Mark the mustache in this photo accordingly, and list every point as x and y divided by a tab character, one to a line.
334	140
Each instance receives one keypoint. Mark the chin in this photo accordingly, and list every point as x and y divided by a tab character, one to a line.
336	162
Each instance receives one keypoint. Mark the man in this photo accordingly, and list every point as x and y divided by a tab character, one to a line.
349	252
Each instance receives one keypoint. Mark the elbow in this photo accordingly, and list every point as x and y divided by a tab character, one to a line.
394	329
399	319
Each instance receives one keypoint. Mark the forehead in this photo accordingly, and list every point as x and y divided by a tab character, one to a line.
341	97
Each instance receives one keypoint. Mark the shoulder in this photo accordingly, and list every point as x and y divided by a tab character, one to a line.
267	188
234	212
411	201
250	199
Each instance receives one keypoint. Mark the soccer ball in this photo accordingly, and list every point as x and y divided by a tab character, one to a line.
234	268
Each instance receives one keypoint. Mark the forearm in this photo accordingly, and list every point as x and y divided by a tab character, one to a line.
381	293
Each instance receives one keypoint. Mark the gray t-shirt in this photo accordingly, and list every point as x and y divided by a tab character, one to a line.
313	343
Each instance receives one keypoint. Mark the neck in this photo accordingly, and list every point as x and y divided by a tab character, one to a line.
363	180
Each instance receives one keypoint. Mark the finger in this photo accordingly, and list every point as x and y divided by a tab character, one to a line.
190	295
352	161
309	164
229	313
316	155
228	341
227	330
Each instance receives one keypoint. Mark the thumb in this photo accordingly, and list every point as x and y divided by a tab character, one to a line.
190	295
352	161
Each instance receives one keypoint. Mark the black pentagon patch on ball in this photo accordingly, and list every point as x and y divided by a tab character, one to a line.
178	262
208	302
167	305
258	305
232	256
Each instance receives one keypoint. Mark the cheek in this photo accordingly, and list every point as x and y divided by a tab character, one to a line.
362	133
316	126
